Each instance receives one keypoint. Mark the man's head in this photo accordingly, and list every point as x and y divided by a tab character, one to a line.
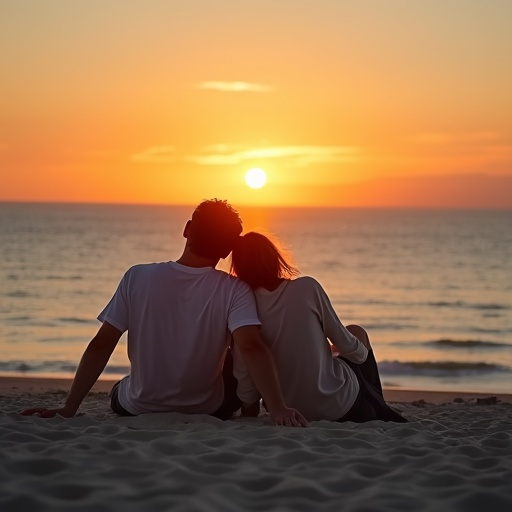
213	230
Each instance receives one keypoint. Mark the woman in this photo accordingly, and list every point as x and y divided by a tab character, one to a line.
299	325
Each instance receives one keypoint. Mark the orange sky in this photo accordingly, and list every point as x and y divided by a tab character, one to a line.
342	103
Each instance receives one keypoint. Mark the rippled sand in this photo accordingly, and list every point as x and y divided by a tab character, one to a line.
454	456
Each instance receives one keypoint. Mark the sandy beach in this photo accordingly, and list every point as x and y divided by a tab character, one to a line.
454	455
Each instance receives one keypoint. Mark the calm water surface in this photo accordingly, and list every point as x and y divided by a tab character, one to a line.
433	288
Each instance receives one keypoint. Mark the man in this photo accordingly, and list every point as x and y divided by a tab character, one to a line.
178	316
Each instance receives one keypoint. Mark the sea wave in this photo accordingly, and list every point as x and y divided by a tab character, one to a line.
484	330
439	368
389	326
54	366
468	305
77	320
64	339
57	277
24	318
29	321
449	343
20	294
36	366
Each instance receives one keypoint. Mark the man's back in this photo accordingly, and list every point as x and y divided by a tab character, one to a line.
178	315
178	320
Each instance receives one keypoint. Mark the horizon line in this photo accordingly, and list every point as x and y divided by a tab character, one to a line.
266	206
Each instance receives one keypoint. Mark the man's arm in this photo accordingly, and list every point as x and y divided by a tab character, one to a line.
261	368
92	363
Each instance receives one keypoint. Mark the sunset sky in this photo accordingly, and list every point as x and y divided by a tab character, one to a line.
342	103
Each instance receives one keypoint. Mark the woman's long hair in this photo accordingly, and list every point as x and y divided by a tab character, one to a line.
259	262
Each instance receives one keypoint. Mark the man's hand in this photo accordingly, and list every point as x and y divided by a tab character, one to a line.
91	365
288	417
42	412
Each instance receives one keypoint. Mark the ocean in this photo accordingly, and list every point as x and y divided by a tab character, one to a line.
432	287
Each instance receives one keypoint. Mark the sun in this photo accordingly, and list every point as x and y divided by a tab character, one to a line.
255	178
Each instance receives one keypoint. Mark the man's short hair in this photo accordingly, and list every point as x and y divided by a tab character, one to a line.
214	228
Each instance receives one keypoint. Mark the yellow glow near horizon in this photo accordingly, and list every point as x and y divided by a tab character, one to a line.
256	177
421	128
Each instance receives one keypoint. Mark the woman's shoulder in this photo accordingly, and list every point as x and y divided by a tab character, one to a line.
305	290
305	282
310	287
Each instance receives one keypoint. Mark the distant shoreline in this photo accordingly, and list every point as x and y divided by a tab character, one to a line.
36	385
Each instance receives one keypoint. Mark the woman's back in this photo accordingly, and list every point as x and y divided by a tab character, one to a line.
298	321
297	318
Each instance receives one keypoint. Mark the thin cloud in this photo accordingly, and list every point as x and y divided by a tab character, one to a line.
156	154
234	86
478	146
442	138
299	155
432	138
224	154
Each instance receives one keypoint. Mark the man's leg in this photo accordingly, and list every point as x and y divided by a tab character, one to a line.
231	402
369	367
114	401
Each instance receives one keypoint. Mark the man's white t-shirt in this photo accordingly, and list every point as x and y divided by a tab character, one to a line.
179	321
297	321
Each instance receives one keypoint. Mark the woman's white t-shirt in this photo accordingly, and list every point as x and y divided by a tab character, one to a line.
297	321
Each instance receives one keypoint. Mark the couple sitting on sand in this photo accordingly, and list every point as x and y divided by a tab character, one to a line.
201	341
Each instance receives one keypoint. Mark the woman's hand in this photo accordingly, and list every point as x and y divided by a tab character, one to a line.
288	417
